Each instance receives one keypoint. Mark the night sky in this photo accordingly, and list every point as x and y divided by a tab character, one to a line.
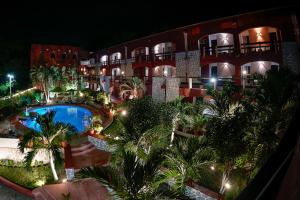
97	25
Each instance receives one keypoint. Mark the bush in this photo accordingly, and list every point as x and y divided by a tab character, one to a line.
27	178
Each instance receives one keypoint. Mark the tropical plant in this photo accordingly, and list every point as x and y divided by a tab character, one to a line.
49	140
186	158
133	86
226	129
41	76
134	179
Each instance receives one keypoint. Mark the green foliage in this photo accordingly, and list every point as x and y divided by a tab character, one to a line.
28	179
115	129
142	115
187	158
102	98
134	179
49	139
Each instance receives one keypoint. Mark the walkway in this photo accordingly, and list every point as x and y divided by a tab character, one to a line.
86	189
9	194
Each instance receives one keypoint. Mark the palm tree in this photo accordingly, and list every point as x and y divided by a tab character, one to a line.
49	139
41	76
186	158
134	179
183	112
227	127
133	86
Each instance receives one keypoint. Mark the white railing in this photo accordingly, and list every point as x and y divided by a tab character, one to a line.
18	93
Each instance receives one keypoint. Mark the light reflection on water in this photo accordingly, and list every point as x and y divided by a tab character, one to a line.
74	115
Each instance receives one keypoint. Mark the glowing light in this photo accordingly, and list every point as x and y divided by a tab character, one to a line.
124	112
212	168
10	76
213	80
244	72
122	72
227	185
64	180
117	138
165	72
81	94
40	182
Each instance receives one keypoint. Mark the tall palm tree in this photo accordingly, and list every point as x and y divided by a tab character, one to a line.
134	179
41	76
226	129
49	139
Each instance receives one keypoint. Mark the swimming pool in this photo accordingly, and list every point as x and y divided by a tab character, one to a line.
74	115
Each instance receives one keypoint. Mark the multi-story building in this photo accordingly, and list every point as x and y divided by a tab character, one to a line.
182	60
58	55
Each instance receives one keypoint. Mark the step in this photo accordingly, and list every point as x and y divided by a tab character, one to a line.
81	148
84	151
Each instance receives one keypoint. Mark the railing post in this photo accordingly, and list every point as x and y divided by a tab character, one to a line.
204	51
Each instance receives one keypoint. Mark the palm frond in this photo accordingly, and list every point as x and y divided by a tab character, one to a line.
29	158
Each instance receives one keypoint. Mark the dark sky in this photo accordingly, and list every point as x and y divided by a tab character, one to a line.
98	25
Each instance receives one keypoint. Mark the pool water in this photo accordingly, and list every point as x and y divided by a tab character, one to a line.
77	116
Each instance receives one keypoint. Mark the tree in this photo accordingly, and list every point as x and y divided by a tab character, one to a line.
186	158
133	87
48	139
134	179
226	129
41	76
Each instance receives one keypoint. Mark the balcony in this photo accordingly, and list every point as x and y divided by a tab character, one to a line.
217	50
260	47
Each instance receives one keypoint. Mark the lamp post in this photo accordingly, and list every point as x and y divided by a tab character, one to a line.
214	81
10	81
244	73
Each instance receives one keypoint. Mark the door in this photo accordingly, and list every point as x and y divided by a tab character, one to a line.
273	41
214	71
213	46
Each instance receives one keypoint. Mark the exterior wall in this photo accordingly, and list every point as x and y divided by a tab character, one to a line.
172	85
259	67
64	55
165	89
291	57
158	93
162	71
9	150
223	39
225	70
188	67
127	69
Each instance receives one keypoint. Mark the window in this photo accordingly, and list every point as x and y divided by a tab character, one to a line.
74	57
274	67
63	56
247	68
146	71
214	71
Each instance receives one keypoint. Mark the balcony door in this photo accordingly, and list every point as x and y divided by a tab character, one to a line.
214	71
273	40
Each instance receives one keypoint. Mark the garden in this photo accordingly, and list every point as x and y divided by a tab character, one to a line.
158	150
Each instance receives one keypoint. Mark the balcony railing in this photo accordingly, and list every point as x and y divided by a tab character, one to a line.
154	57
226	49
164	56
260	47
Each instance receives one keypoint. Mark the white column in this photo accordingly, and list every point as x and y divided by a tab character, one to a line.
190	83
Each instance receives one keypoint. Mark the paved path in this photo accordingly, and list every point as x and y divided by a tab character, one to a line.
9	194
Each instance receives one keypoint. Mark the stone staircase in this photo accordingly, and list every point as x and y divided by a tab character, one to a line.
82	149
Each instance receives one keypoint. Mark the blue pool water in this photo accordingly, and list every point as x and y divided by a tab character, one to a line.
74	115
